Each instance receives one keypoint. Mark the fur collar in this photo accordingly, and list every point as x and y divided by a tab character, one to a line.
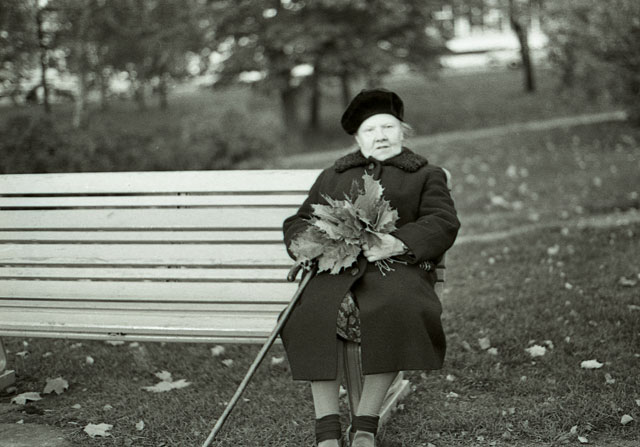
407	160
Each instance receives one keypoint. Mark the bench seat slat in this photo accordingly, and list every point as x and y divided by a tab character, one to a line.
274	236
151	201
158	182
146	219
157	273
228	309
150	292
165	323
146	254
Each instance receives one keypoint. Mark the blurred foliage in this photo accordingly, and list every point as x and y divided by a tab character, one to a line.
596	47
38	144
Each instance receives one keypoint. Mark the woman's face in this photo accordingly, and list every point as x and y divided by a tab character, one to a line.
380	136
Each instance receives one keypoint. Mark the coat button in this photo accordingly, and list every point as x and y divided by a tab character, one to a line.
355	271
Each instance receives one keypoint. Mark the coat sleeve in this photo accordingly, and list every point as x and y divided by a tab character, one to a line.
295	224
437	225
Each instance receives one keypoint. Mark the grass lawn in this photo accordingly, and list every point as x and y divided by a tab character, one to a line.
559	288
541	176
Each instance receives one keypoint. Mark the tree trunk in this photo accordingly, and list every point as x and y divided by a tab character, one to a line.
314	104
138	94
522	33
163	91
346	88
80	109
43	61
104	91
289	101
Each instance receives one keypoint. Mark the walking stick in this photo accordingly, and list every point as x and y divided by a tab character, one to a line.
263	352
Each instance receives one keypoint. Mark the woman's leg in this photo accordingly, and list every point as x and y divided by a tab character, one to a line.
374	391
326	396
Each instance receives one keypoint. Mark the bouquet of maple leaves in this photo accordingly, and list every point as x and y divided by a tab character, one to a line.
337	231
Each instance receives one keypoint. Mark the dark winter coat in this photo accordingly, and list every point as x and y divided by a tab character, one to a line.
399	312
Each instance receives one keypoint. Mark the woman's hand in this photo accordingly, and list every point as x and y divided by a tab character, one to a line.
382	247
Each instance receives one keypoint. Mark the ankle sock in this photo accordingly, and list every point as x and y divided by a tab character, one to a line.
328	427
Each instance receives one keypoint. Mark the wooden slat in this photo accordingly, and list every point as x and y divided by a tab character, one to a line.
179	292
251	181
151	201
158	218
145	254
93	236
139	274
231	310
165	323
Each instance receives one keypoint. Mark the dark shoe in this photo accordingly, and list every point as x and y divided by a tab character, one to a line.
328	427
367	424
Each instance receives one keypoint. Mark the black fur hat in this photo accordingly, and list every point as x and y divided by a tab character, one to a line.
368	103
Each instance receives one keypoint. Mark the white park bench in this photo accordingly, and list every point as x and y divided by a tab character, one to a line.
194	256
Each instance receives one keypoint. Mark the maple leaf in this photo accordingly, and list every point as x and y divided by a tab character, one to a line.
308	245
59	385
366	203
337	256
94	430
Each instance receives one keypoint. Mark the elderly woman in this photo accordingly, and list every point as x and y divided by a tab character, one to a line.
394	316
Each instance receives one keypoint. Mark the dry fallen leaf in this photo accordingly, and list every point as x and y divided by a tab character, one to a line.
140	425
492	351
89	360
583	440
277	360
114	342
217	351
609	379
536	351
626	419
59	385
227	362
94	430
591	364
22	399
165	376
485	343
167	386
627	282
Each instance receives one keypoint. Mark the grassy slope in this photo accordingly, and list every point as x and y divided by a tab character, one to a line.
432	105
542	176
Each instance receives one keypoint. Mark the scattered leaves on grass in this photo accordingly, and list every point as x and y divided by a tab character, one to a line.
626	419
89	360
217	351
166	383
583	440
452	395
492	351
140	425
57	385
536	351
609	379
76	406
94	430
22	399
107	407
591	364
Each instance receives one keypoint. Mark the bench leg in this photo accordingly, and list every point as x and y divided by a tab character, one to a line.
7	377
354	380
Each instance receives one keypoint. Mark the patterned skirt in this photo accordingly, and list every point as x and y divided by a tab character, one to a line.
348	325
